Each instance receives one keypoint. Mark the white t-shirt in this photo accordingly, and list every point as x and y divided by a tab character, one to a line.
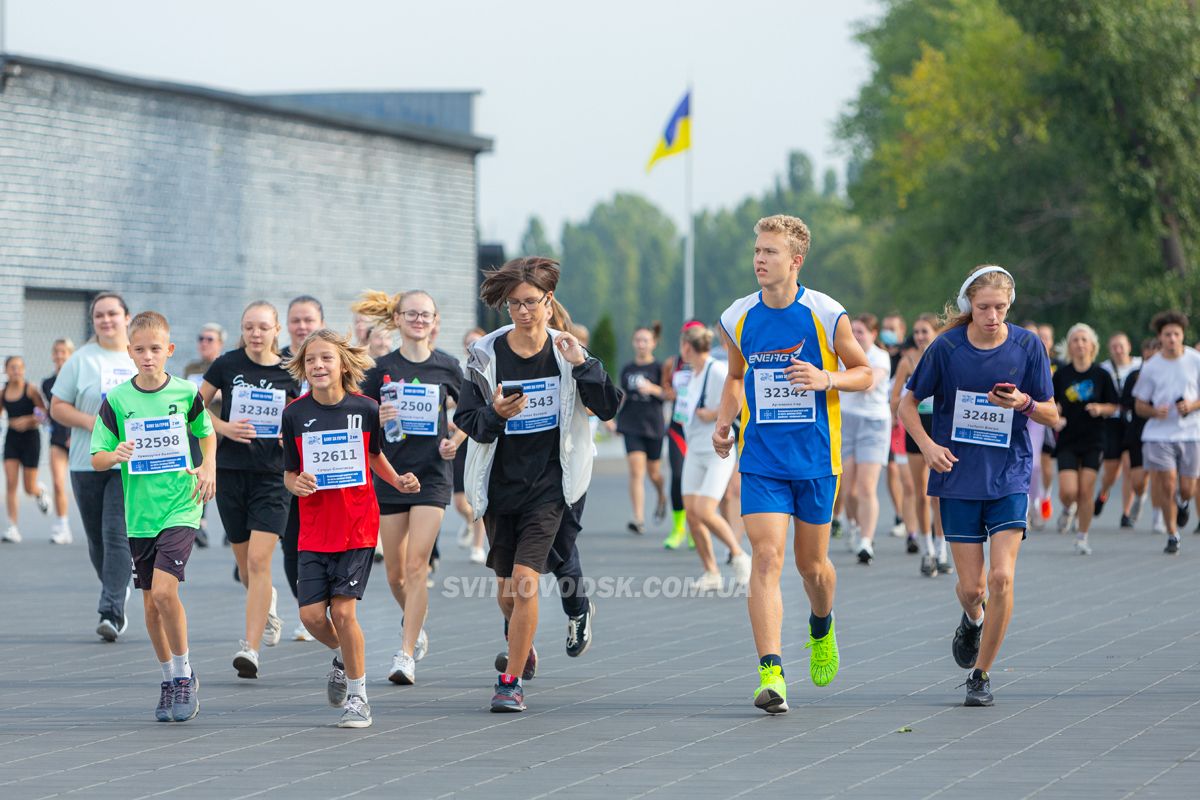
872	404
707	387
1119	374
1162	382
81	382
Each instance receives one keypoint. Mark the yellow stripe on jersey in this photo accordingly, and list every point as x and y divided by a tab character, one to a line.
833	402
745	412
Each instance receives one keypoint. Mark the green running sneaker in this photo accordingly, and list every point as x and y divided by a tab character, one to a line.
675	540
823	663
771	696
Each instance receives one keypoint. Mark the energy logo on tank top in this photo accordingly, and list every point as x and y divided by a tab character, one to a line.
782	356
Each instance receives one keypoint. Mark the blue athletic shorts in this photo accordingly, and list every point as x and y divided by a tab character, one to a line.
973	521
809	500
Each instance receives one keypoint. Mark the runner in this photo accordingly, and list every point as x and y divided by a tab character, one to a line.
1135	424
866	428
60	442
1168	395
1086	397
379	341
472	533
705	474
784	344
143	426
1118	365
251	497
1045	332
987	378
305	314
530	455
676	375
421	383
936	559
330	438
210	342
640	422
23	404
82	384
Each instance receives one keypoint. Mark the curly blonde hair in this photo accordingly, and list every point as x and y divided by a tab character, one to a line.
354	359
793	228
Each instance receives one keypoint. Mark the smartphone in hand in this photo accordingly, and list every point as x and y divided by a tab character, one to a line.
509	391
1004	388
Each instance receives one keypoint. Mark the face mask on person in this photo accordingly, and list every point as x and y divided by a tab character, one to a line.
888	338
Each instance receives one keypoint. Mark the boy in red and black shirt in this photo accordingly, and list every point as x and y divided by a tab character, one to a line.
331	437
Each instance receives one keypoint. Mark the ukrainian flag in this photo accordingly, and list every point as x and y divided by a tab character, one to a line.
678	134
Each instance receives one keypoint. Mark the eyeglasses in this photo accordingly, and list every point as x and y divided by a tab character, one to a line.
413	316
529	305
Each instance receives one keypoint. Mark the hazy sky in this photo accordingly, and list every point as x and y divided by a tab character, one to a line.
575	97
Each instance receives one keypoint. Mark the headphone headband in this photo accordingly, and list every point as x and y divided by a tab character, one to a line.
964	304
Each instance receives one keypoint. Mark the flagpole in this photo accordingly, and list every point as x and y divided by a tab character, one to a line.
689	248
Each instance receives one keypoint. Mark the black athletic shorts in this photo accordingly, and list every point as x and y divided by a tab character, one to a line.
910	446
1114	438
60	436
1050	442
321	576
1078	459
23	446
650	445
169	551
523	538
387	509
251	501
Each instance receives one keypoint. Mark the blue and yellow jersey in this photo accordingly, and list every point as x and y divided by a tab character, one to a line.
787	434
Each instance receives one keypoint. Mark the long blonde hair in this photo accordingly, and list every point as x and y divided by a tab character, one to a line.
354	359
382	307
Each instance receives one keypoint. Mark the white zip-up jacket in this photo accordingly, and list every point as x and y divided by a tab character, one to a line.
484	426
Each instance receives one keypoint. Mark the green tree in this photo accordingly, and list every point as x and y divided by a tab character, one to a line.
535	242
604	344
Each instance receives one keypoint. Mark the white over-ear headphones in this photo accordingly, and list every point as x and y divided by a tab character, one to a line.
964	303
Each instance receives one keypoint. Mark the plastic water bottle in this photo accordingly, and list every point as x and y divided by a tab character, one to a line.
390	393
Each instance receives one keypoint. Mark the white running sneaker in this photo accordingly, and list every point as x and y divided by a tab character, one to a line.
274	630
301	634
43	500
898	529
1066	519
741	568
245	661
709	582
463	538
1082	547
404	669
422	647
851	537
478	556
62	534
12	535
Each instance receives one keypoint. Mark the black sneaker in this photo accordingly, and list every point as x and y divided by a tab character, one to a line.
108	629
1183	512
636	527
527	674
1127	521
1172	547
912	546
509	697
1098	506
865	556
979	689
965	646
579	632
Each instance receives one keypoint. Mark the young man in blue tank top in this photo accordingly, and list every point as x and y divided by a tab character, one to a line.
784	343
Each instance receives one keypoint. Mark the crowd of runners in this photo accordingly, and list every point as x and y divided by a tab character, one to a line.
785	414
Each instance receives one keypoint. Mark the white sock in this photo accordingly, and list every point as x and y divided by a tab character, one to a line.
928	544
168	670
978	623
941	549
1081	536
867	545
181	666
64	522
357	686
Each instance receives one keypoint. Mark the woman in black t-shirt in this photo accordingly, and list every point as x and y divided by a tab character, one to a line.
413	385
1086	397
251	498
640	421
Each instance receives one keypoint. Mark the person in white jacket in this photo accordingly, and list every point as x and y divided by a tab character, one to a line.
524	406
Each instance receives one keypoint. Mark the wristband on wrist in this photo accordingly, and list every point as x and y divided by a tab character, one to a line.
1029	407
829	376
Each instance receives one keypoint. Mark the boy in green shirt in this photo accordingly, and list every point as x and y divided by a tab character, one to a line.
143	425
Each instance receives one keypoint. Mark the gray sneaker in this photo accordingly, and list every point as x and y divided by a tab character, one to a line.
336	686
356	713
274	630
185	704
422	646
165	696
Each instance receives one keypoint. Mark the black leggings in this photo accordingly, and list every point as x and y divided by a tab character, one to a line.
291	542
563	561
676	450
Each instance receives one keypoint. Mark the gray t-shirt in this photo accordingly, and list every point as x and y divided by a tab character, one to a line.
83	382
1162	382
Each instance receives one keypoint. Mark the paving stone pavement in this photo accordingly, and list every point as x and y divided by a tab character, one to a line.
1097	689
